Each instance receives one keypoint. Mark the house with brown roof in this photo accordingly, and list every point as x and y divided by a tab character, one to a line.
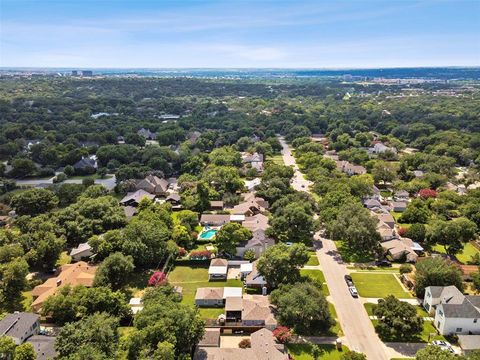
253	279
134	198
216	205
214	219
251	310
251	205
263	347
402	248
79	273
153	185
256	222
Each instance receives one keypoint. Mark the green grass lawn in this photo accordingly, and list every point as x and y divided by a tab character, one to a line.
348	256
374	269
276	159
304	351
378	285
428	327
318	276
313	261
192	277
465	256
93	176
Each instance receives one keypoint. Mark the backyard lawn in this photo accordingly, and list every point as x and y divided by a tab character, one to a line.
276	159
374	285
192	277
304	351
465	256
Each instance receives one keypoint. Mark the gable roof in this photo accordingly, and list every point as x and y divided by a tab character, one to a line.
256	222
85	163
216	219
254	277
153	184
18	325
136	196
79	273
83	247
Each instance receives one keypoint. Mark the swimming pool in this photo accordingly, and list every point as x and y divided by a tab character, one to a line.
208	234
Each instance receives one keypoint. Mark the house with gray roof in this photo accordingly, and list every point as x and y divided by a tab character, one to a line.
147	134
134	198
82	251
455	313
20	326
258	243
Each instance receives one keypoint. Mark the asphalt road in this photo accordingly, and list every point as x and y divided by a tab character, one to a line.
359	332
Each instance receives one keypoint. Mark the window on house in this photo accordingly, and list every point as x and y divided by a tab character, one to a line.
458	330
475	321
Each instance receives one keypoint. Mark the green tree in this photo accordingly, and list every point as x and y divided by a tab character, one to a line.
316	352
416	232
164	351
249	255
22	167
230	236
397	319
384	172
417	212
302	306
280	264
25	351
12	283
114	271
451	234
357	228
432	352
436	272
353	355
293	223
476	281
7	347
34	201
98	331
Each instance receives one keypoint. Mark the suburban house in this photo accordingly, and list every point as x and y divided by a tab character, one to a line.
258	243
349	168
263	347
253	279
174	200
153	185
20	326
372	204
44	346
218	269
214	219
82	251
251	310
251	205
256	222
386	218
250	184
79	273
216	296
147	134
455	313
402	248
216	205
386	232
255	160
381	148
399	206
135	304
86	165
401	195
211	338
134	198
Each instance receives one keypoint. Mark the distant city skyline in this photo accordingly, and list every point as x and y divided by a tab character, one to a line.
239	34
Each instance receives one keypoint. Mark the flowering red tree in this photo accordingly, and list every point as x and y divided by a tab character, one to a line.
158	278
427	193
200	255
282	334
402	231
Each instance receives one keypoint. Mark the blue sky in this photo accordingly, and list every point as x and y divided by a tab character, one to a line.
229	33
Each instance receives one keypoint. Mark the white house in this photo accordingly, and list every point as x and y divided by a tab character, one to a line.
455	313
218	269
82	251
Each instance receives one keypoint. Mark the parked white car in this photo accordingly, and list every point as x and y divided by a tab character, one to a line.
353	291
444	345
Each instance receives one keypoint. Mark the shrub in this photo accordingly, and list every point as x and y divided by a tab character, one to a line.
59	178
406	268
427	193
402	231
182	252
282	334
200	255
158	278
244	344
249	255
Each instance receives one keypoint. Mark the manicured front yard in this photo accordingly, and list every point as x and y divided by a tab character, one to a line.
349	256
276	159
192	277
313	261
374	285
465	256
304	351
316	275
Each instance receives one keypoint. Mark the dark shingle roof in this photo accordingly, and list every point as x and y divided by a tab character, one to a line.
18	325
